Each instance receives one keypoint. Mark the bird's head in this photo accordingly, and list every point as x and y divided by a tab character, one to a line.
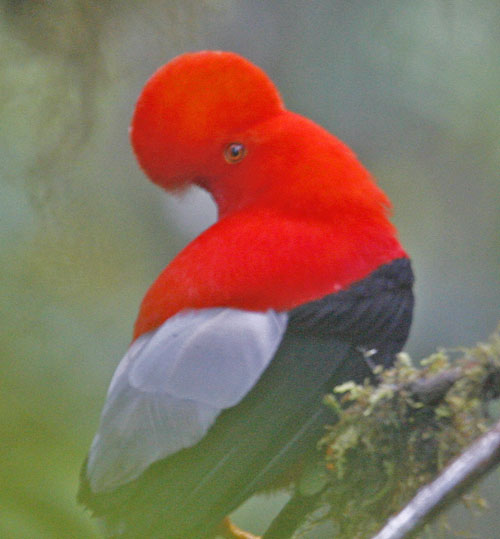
215	120
191	115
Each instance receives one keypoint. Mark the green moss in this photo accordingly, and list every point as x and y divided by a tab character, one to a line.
392	438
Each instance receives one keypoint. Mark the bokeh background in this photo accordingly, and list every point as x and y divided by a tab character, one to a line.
412	87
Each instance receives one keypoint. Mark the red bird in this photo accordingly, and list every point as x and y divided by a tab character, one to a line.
220	393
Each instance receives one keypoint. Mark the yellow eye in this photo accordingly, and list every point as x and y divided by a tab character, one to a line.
234	152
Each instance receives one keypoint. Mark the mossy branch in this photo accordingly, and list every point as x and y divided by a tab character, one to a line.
392	439
472	464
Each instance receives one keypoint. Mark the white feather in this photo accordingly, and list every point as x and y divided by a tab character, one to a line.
172	384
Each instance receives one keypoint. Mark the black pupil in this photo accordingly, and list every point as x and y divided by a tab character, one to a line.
235	150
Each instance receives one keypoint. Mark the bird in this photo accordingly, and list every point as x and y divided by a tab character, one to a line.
301	284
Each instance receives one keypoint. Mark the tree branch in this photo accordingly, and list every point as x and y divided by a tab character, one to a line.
392	439
472	464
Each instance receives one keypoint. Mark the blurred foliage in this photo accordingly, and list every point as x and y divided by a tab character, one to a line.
411	86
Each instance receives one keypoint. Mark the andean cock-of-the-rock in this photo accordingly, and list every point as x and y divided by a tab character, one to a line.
240	337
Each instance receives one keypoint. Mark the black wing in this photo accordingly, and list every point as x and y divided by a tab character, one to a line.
253	444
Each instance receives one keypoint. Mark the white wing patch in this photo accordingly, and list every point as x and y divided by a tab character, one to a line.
172	384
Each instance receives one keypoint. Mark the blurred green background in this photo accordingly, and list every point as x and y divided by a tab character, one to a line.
411	86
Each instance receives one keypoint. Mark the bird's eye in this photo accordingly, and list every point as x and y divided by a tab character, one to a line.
234	152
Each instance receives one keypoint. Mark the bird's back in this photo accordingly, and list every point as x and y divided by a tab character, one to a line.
252	446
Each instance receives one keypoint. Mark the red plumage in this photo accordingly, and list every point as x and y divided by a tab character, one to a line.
299	205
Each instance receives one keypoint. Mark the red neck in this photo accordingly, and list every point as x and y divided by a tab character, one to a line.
263	260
